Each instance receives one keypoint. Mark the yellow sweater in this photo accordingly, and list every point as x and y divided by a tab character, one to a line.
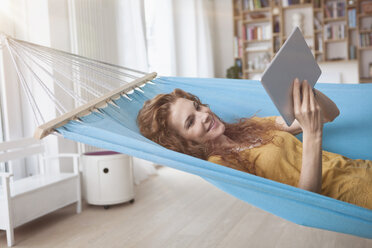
342	178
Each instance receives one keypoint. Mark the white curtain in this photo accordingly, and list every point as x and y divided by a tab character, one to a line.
131	34
180	37
112	31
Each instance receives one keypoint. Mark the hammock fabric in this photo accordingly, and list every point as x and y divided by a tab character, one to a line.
350	135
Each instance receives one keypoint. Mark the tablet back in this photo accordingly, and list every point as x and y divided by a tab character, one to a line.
294	59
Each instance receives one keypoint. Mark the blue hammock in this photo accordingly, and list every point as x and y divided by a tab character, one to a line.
350	135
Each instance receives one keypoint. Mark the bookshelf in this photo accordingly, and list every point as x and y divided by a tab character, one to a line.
335	30
364	30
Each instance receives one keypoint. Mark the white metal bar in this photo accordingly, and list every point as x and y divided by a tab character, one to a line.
21	153
8	145
62	155
5	174
9	212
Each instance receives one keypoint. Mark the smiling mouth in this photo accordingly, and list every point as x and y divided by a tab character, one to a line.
212	124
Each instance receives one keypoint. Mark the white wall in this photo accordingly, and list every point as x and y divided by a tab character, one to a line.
223	37
339	72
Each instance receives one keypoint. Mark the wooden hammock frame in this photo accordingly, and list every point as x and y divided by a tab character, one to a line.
49	127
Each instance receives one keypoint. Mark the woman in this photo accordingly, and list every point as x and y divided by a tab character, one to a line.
264	147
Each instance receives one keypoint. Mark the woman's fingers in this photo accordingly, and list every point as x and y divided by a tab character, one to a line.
305	96
311	97
307	110
296	96
314	105
312	101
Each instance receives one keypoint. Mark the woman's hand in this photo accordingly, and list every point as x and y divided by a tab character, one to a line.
329	111
306	109
309	115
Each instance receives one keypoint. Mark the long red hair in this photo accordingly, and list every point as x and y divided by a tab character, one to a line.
152	120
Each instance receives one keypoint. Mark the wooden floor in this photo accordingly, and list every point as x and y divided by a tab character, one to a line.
174	209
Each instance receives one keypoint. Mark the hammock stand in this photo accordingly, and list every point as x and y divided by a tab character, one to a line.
108	121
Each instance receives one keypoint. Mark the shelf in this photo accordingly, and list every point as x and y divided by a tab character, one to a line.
365	80
253	71
266	17
305	37
337	19
296	6
334	60
254	41
335	40
256	10
365	30
257	20
258	51
339	60
365	48
364	15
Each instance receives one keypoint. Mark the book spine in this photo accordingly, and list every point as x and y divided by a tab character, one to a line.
251	4
334	9
236	47
244	33
327	10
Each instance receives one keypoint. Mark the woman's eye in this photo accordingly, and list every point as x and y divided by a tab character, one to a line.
190	123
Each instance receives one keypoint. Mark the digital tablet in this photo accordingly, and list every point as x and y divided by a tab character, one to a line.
294	59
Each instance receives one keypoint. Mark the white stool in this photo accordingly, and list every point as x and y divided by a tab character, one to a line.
107	178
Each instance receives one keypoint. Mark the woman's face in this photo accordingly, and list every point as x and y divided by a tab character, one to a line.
195	122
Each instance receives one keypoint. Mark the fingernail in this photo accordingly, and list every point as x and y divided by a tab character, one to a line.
297	80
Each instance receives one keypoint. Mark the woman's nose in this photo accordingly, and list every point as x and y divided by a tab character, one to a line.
204	117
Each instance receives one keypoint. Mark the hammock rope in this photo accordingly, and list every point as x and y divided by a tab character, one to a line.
44	87
50	61
90	83
109	122
100	64
26	89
